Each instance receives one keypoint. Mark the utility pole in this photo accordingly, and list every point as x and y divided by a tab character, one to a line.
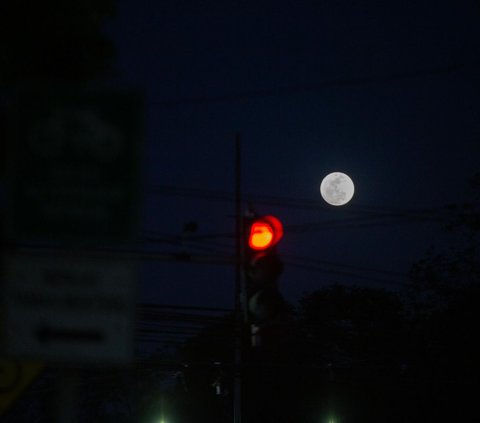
65	394
239	286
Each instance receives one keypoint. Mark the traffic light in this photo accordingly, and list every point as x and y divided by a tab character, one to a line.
262	268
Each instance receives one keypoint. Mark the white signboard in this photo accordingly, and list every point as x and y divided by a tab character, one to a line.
75	310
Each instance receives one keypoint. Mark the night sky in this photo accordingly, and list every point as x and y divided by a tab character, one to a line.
386	92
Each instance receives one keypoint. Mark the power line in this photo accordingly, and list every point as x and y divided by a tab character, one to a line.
306	204
187	242
359	222
174	325
344	269
151	306
310	88
318	262
370	279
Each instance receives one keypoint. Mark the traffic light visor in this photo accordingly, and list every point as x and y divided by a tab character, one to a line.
265	233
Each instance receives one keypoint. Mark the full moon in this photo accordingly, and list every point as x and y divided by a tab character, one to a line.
337	189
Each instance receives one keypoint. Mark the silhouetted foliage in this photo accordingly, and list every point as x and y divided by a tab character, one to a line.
51	42
54	40
450	272
341	355
358	334
351	323
444	294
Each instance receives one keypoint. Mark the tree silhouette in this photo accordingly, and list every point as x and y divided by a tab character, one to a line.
50	42
444	295
341	354
54	41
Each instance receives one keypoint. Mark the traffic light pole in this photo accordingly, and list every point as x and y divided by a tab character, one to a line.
239	285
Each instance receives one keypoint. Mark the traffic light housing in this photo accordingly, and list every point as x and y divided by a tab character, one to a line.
262	267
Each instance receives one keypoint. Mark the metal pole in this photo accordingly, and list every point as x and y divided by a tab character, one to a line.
66	396
237	401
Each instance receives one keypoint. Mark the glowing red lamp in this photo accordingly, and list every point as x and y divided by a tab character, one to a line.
265	232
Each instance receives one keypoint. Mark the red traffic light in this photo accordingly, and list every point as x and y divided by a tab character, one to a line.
265	232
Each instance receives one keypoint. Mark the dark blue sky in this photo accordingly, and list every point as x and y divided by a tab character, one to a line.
387	92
